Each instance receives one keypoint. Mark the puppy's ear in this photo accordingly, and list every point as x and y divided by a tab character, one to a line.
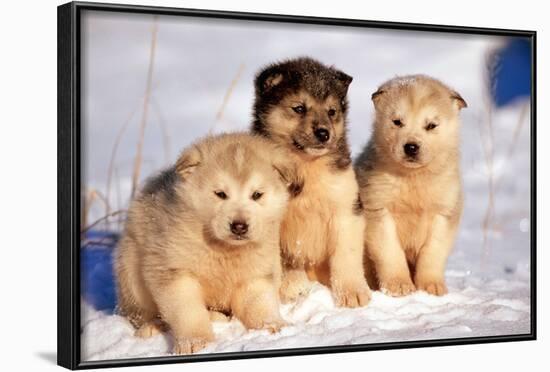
458	100
268	79
188	161
344	78
377	95
290	176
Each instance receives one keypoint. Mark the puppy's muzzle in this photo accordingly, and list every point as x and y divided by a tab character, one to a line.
411	149
322	134
238	227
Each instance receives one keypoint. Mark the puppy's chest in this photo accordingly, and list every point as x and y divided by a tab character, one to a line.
326	187
417	196
317	197
222	273
413	205
306	228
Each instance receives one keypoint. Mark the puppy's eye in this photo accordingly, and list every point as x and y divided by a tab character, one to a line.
431	126
257	195
300	109
331	112
220	194
397	123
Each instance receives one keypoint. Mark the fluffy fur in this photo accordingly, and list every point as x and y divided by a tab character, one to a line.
410	185
301	105
204	235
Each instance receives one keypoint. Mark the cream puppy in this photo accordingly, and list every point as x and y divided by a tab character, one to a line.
204	235
410	184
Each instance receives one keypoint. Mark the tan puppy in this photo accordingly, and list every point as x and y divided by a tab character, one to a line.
204	235
410	184
301	105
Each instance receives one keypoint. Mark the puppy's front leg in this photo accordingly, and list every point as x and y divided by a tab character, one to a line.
256	305
432	258
384	248
347	278
182	306
295	283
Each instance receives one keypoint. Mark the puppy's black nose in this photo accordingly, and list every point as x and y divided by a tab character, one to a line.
322	134
411	149
238	227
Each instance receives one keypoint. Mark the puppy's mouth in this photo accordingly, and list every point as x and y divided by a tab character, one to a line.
297	145
236	239
315	150
411	162
239	237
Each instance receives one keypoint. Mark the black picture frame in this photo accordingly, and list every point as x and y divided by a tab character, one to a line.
69	182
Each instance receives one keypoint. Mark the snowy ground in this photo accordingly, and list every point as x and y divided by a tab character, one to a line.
501	307
489	284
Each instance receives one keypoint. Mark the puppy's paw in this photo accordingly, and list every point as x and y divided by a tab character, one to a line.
151	329
190	345
397	287
292	290
270	321
433	287
275	326
352	295
218	316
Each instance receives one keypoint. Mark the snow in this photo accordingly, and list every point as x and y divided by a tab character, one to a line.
488	273
472	308
403	81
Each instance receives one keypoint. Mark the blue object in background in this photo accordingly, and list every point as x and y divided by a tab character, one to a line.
97	284
510	71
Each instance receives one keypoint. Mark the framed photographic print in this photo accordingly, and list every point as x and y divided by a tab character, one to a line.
237	185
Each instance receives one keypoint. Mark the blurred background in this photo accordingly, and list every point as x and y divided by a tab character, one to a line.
153	85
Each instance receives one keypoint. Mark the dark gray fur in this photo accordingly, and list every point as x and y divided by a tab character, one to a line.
307	74
358	207
164	184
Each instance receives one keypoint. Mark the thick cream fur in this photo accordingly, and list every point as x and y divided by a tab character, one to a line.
412	209
178	261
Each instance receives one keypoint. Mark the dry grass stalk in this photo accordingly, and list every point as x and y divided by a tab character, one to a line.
489	222
141	137
83	208
99	220
118	199
515	137
487	141
114	150
90	197
164	129
228	93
